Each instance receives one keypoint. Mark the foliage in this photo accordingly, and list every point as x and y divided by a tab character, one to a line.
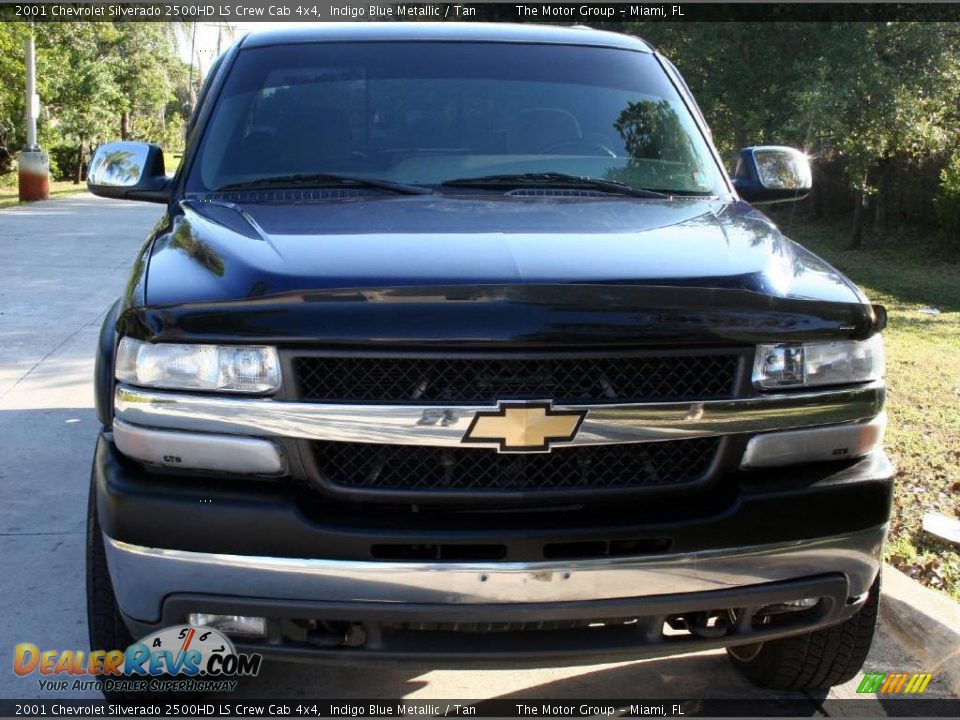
12	38
97	82
79	102
745	76
948	199
64	160
138	55
860	94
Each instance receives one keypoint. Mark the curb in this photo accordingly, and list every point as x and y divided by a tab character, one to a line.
926	623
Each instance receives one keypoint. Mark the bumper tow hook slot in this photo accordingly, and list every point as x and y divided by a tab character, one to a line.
700	625
330	635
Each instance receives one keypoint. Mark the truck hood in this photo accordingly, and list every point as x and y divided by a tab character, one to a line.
682	252
225	251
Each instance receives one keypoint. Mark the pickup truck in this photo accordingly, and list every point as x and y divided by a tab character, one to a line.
458	342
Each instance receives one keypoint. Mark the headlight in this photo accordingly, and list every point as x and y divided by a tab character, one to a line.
822	363
245	368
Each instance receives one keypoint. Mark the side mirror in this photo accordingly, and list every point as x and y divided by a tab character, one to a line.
772	173
129	171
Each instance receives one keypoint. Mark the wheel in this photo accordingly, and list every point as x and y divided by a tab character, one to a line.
815	661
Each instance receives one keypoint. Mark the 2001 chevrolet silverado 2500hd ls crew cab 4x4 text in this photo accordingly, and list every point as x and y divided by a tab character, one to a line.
458	342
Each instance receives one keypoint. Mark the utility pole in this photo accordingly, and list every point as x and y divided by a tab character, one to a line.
191	95
32	99
34	176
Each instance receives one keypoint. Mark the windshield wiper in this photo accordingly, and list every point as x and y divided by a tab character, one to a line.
327	180
554	179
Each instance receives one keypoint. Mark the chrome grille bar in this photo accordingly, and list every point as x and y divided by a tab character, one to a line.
445	425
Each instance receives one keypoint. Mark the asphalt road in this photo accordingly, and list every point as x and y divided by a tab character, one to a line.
62	263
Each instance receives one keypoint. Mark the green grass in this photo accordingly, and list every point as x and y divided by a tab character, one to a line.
906	274
58	188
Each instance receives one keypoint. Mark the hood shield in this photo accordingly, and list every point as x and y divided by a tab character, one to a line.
533	315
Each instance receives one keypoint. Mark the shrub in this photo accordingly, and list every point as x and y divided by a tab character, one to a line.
63	161
948	197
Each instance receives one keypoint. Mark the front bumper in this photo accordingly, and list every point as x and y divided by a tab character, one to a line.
145	577
177	545
527	632
277	518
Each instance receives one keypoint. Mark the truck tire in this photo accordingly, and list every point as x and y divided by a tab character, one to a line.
105	624
815	661
104	621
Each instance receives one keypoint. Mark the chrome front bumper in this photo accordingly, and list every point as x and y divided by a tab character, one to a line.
144	577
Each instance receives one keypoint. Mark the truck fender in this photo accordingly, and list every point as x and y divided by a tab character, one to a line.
103	371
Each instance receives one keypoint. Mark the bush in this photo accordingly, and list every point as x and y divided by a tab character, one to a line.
948	197
63	161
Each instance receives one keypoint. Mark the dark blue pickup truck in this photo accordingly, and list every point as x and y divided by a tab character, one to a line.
459	342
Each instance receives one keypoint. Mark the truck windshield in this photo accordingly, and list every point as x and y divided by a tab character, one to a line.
428	113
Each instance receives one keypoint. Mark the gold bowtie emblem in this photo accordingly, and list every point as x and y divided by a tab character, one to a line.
524	426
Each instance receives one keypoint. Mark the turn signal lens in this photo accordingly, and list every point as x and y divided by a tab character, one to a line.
243	368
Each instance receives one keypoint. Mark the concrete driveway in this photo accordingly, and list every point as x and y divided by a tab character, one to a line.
62	263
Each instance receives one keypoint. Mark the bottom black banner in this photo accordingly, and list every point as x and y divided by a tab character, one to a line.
802	707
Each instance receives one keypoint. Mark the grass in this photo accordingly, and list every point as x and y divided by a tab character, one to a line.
908	274
9	196
58	188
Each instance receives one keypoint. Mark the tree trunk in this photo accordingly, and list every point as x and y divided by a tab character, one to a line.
817	192
6	160
880	205
740	139
125	125
78	174
859	215
91	148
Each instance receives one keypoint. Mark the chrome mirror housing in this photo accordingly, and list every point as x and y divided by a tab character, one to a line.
772	173
129	171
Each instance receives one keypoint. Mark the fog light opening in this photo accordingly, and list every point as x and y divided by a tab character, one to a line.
237	625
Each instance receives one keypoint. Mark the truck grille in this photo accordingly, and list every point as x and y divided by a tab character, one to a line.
486	380
408	468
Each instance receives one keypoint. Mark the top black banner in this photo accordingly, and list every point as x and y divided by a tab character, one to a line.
622	11
499	707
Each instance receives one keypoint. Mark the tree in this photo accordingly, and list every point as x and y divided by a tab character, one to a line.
83	100
881	90
866	92
12	132
745	76
139	58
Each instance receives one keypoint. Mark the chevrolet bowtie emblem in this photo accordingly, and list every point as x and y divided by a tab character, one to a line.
524	426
